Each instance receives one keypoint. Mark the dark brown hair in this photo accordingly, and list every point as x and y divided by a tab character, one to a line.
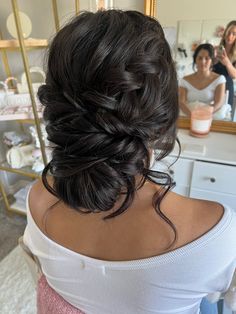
232	54
110	96
208	47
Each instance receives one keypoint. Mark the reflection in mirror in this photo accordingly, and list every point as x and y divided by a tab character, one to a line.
199	84
95	5
186	26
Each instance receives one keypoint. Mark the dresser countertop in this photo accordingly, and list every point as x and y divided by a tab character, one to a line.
216	147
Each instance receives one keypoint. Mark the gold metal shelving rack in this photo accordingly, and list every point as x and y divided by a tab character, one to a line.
23	44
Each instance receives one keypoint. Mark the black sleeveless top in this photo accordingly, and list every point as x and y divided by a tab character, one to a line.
219	68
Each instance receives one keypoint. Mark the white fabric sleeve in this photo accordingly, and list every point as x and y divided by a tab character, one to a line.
221	80
230	295
182	83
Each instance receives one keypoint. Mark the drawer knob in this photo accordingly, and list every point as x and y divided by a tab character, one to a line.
212	180
171	172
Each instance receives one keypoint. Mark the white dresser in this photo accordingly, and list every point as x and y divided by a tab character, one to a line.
206	167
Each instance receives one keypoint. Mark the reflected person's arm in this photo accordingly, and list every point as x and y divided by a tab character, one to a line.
183	101
224	59
219	97
231	70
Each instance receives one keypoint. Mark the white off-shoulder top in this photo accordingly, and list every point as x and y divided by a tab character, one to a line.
174	282
205	95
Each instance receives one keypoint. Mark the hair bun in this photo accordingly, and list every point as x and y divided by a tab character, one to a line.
110	94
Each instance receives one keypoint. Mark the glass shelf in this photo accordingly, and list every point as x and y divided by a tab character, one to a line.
17	209
29	43
24	171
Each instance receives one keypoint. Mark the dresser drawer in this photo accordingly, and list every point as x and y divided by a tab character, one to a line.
180	171
214	177
222	198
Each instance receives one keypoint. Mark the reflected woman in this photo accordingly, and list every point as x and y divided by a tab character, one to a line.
203	86
226	56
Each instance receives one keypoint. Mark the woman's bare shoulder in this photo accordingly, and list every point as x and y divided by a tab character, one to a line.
207	214
201	215
203	212
215	75
210	212
40	199
39	192
189	77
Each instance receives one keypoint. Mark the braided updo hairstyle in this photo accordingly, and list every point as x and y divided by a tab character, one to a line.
110	97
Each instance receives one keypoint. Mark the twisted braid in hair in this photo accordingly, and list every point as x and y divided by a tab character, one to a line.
110	96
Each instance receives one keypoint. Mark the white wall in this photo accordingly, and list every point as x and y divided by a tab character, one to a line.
170	11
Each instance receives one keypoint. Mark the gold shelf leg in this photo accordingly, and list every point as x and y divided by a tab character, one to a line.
76	7
28	77
154	8
5	61
55	14
150	7
5	199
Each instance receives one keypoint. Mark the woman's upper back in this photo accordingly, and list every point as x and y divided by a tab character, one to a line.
114	101
138	233
103	266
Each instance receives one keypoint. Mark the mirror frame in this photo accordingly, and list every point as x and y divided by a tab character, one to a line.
217	125
150	7
184	123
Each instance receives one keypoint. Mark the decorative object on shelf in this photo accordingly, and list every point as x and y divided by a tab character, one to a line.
34	135
15	100
11	89
26	25
219	31
38	164
19	112
13	138
20	156
17	106
23	86
3	94
201	119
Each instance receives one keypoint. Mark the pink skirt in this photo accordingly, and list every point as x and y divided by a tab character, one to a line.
50	302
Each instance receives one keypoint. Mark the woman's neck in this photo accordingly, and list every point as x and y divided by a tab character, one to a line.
203	74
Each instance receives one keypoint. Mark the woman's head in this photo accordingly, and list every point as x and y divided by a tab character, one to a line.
110	95
229	39
203	57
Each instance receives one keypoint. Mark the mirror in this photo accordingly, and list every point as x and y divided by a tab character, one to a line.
187	23
144	6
